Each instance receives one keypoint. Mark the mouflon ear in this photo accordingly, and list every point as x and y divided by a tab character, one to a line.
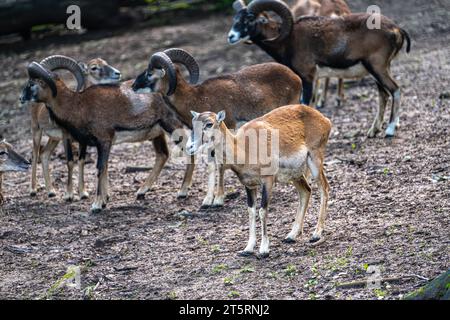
194	115
83	67
159	73
221	116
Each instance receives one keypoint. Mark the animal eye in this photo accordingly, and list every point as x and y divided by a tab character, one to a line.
94	68
208	125
2	153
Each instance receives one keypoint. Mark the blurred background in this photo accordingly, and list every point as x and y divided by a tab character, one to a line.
34	17
31	19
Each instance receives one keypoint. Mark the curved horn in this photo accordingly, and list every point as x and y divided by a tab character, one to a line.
280	8
56	62
186	59
160	60
238	5
36	71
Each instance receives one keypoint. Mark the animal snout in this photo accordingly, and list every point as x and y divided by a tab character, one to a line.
117	75
23	97
233	37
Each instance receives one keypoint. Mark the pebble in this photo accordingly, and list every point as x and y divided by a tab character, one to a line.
184	214
407	159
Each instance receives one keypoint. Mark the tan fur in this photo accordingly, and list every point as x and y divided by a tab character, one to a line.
244	95
303	134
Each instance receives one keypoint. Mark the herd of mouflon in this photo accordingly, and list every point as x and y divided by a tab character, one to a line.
260	122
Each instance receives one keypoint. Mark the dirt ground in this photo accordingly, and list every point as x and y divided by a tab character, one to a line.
389	202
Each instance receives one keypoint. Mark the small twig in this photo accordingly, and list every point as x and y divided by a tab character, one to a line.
362	283
125	268
132	169
18	250
351	161
420	277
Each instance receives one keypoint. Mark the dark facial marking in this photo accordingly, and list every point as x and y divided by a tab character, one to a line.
27	92
244	23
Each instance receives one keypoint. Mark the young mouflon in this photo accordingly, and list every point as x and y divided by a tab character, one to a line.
293	139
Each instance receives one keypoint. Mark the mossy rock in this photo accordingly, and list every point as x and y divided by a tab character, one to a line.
437	289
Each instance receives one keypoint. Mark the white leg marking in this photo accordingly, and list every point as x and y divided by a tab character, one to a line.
252	231
297	228
312	168
390	130
219	200
97	206
264	248
208	201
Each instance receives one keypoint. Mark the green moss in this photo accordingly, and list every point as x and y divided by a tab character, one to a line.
290	271
247	269
172	295
219	268
438	288
228	281
216	248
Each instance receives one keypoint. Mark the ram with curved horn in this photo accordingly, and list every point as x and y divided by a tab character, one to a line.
96	71
244	95
103	115
298	152
347	46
